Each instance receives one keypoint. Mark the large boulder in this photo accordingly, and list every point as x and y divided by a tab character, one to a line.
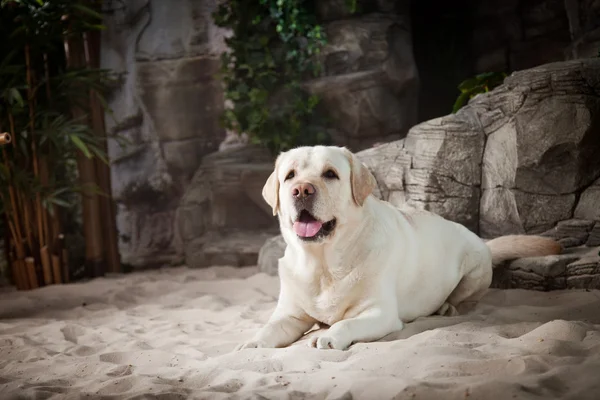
543	141
370	84
518	159
437	168
222	218
588	206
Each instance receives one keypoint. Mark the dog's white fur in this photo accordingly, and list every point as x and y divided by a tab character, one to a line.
381	267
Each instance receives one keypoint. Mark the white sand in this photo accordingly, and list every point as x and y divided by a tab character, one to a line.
169	334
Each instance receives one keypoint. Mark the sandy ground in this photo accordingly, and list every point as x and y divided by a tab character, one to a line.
169	334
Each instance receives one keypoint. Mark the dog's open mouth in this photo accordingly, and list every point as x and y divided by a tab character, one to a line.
309	228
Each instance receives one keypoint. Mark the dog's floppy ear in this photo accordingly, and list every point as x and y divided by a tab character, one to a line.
362	180
270	191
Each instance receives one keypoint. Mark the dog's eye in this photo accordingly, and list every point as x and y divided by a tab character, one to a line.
290	175
330	174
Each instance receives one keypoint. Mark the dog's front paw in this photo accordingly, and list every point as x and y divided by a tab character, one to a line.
328	342
253	344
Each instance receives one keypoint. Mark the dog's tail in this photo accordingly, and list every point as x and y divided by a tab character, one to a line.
510	247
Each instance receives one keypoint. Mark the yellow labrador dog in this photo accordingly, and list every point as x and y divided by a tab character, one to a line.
361	265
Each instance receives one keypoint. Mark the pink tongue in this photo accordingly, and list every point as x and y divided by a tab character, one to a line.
307	229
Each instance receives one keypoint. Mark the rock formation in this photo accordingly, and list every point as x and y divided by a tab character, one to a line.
370	83
516	160
222	218
168	106
169	102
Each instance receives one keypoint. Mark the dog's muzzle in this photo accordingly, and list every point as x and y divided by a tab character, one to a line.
309	228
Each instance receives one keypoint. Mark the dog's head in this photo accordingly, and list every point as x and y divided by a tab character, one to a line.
316	190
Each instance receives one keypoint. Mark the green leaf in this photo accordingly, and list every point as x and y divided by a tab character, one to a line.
481	83
99	154
79	143
59	202
468	84
485	75
15	97
88	11
460	102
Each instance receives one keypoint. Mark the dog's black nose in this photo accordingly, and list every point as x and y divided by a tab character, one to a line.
303	190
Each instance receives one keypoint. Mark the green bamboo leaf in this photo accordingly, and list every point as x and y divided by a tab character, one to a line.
16	97
100	154
79	143
91	189
59	202
86	10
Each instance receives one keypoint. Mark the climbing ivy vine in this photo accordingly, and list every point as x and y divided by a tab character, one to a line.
274	47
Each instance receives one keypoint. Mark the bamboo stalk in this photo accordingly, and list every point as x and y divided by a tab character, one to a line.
12	259
25	206
92	225
14	211
44	179
31	274
19	274
14	224
56	268
9	255
30	100
64	257
13	232
47	75
46	265
107	206
17	267
15	271
22	208
11	189
54	221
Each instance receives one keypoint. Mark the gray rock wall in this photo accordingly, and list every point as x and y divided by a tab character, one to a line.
370	84
584	23
167	105
518	34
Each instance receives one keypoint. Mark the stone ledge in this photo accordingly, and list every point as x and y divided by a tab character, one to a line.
577	268
576	232
236	249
